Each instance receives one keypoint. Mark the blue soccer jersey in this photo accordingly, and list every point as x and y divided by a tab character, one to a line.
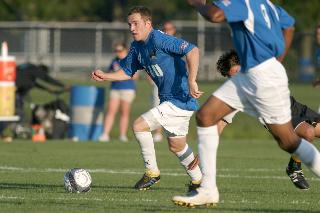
161	57
257	29
120	85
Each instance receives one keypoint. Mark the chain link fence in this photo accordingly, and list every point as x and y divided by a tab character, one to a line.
74	49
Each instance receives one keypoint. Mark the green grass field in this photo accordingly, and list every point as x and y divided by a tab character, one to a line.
251	170
251	178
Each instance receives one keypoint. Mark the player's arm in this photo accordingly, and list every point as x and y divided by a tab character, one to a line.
128	67
192	59
287	26
288	37
210	12
119	75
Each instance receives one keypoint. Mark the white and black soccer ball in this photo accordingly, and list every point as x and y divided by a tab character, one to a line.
77	180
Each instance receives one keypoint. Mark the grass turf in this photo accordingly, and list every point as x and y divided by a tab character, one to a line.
251	178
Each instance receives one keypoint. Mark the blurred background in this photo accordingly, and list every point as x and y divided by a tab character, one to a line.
74	37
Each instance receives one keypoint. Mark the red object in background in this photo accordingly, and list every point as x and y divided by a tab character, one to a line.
7	69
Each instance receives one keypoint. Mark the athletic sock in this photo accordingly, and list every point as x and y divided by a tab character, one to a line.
208	138
186	156
147	150
309	155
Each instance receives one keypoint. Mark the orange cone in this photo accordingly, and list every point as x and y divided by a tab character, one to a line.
38	134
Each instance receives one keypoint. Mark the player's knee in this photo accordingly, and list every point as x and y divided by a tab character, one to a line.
174	149
289	145
136	126
309	134
201	118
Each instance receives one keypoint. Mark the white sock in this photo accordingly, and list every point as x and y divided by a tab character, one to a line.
208	138
186	156
147	150
309	155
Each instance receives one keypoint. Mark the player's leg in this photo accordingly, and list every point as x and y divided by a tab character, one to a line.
302	118
178	146
213	110
294	168
113	106
290	142
208	136
142	129
127	97
196	162
317	129
125	108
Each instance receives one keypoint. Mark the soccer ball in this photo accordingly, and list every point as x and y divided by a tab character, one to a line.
77	180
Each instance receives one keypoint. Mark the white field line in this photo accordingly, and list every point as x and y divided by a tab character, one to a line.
243	201
130	172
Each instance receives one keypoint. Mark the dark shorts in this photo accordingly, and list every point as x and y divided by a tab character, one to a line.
301	113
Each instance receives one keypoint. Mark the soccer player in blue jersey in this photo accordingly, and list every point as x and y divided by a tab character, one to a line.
259	89
160	55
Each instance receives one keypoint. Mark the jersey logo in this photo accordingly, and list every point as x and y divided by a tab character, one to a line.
226	2
184	45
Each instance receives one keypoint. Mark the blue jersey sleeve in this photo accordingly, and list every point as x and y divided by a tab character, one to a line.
285	19
234	11
172	45
130	63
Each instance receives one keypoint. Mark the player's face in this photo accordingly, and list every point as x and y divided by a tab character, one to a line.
169	28
120	51
234	70
139	27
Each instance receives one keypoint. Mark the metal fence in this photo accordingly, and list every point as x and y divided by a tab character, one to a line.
76	48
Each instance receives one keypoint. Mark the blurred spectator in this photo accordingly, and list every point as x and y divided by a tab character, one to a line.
122	93
169	28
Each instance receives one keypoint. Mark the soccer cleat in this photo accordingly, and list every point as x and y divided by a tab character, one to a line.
148	179
193	185
297	178
199	197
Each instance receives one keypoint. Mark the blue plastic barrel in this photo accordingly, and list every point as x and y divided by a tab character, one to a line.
87	107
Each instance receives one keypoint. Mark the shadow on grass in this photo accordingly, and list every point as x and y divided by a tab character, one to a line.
29	186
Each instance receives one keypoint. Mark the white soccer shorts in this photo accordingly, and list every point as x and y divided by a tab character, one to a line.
174	120
261	92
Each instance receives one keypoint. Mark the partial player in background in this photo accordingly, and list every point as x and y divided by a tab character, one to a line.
122	94
304	120
262	33
160	55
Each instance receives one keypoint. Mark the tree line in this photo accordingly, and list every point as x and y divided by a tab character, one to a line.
306	13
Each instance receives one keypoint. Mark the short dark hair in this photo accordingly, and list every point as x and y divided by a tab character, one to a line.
226	61
143	11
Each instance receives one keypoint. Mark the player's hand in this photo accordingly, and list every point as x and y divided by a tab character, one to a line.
97	75
194	163
194	90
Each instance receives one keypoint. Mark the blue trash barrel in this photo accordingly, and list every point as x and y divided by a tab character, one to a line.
87	107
